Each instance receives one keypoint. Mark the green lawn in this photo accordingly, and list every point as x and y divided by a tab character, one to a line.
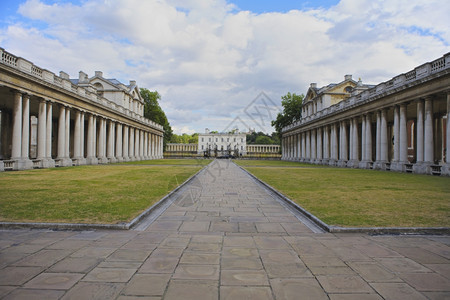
87	194
366	198
169	161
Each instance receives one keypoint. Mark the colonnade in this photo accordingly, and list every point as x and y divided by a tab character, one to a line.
175	147
68	136
263	148
412	136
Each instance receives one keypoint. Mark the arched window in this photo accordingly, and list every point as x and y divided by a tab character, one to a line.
348	89
99	87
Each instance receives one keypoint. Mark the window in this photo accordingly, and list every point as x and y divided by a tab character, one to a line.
228	139
348	89
202	139
242	140
209	139
235	140
222	140
217	139
202	147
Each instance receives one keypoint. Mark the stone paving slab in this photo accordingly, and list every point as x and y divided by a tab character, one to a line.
235	240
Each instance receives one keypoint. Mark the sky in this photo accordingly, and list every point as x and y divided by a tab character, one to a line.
222	64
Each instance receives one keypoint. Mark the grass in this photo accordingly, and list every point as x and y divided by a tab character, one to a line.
363	198
107	194
178	162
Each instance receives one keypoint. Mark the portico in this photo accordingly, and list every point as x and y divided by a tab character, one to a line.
399	125
76	124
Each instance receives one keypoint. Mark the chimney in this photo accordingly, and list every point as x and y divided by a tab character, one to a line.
63	75
313	85
83	77
99	73
348	77
206	130
132	82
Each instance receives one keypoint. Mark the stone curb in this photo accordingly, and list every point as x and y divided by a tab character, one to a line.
82	226
368	230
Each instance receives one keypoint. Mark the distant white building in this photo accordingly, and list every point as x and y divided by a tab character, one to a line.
222	143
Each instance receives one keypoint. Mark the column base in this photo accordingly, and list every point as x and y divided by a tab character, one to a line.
112	160
120	159
353	163
22	164
2	166
91	160
63	162
79	161
342	163
47	163
422	168
332	162
445	170
365	164
379	165
102	160
325	161
399	166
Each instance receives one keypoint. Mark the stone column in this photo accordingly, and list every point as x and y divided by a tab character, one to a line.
161	146
77	137
16	147
428	133
131	145
303	146
67	137
383	157
91	158
326	145
363	138
119	142
355	143
137	153
368	138
145	156
141	145
403	136
299	146
49	162
313	146
378	139
27	163
110	148
396	137
419	128
308	146
319	145
126	143
82	137
42	131
343	149
445	170
62	133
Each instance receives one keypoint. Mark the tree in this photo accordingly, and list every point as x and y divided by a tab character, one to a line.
154	112
292	111
263	140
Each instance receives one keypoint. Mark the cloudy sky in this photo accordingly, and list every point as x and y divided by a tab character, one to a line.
226	63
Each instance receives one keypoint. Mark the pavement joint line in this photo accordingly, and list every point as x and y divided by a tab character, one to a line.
122	226
338	229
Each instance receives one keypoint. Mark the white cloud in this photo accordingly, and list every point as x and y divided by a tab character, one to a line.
209	61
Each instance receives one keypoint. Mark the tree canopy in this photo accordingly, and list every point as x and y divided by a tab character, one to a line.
260	138
154	112
292	111
184	138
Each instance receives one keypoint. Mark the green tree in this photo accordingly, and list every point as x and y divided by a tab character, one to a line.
154	112
263	140
292	111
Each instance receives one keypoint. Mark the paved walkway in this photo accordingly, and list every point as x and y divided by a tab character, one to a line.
224	237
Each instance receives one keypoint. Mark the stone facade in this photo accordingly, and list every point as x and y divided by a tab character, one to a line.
79	121
401	125
222	142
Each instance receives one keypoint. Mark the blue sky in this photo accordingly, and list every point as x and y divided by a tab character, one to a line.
264	6
210	61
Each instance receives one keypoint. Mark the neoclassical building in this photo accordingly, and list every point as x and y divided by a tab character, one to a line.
191	150
401	125
222	142
70	121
